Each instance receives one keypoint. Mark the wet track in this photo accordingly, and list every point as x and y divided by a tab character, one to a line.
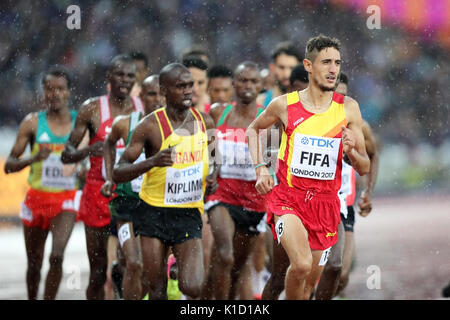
402	252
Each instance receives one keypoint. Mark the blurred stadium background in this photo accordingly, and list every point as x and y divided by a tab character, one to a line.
399	74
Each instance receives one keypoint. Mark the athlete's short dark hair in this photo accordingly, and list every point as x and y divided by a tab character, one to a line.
299	73
287	48
343	78
58	71
136	55
195	62
317	44
120	58
220	71
196	50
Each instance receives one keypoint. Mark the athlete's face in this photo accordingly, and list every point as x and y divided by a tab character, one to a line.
282	68
247	83
122	78
56	92
220	90
179	90
324	70
141	70
200	85
150	95
341	88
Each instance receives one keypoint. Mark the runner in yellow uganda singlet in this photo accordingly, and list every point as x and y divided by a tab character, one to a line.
183	184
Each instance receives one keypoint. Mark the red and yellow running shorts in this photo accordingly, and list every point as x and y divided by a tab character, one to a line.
94	208
319	213
40	207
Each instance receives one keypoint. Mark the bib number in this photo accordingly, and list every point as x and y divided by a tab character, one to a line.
236	161
184	185
314	157
52	174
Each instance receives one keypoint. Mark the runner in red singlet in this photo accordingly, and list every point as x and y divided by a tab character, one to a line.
96	116
237	208
303	210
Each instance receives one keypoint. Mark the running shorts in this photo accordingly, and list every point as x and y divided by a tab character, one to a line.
94	207
40	207
319	213
170	225
244	220
122	209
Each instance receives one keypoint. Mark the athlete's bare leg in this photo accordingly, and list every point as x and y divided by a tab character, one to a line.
314	275
34	244
154	257
96	243
295	241
112	256
131	249
245	281
191	273
243	245
327	286
349	251
61	228
280	264
222	227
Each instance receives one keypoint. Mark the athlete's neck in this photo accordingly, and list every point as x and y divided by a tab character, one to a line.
119	102
176	115
58	114
245	108
318	97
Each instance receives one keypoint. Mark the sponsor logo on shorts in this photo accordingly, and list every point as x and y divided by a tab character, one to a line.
286	208
329	234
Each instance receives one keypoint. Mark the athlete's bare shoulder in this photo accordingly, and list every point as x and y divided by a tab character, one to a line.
279	103
350	103
29	123
210	123
352	111
90	106
148	122
216	110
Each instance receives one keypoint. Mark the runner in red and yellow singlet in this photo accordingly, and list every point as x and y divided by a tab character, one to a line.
303	210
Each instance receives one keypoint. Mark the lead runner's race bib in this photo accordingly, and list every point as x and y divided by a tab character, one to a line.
314	157
236	161
52	174
184	185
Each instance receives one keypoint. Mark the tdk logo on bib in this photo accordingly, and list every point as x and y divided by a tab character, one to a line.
314	157
187	173
318	142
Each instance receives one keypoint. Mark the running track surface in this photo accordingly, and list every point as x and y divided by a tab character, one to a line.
405	241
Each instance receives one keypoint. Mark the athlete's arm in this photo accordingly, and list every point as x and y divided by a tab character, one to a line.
211	182
353	138
275	111
146	135
373	148
25	136
83	123
119	129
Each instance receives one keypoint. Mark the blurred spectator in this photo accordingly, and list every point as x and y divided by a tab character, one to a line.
400	82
